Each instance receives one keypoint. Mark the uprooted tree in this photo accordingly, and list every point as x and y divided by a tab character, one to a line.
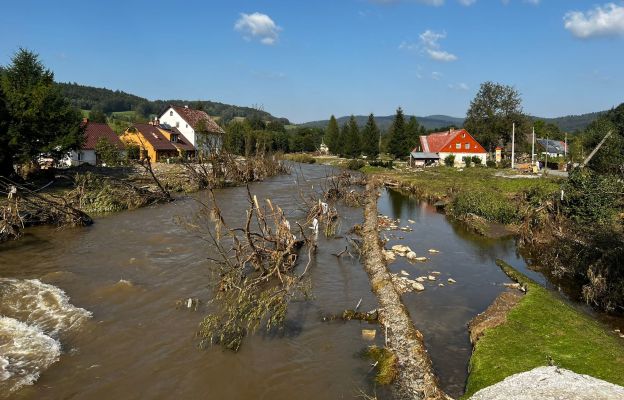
257	268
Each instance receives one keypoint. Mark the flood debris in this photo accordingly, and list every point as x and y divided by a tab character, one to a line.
385	362
414	377
369	334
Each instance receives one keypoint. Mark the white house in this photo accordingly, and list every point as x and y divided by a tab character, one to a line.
458	143
201	130
94	132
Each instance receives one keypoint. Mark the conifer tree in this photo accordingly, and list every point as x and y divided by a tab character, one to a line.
370	138
397	145
412	133
332	136
352	139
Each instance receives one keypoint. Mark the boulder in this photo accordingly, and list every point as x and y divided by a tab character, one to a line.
401	249
451	280
431	278
411	256
419	287
550	383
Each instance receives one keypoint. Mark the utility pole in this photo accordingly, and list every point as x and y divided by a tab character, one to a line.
591	155
547	149
565	146
533	148
513	145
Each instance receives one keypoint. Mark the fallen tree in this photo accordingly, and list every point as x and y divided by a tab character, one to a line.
415	378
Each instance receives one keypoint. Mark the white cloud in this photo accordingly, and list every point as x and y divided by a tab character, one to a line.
467	2
259	26
408	46
436	75
430	40
606	20
460	86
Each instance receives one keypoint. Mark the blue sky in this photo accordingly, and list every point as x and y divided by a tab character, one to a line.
305	60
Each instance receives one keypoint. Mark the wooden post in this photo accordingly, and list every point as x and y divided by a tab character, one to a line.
513	145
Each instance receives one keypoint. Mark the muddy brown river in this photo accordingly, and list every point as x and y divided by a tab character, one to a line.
91	313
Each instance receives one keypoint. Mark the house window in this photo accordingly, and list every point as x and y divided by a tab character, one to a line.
463	135
177	124
458	146
171	113
80	156
186	125
467	146
174	138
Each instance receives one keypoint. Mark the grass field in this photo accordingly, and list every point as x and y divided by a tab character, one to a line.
540	327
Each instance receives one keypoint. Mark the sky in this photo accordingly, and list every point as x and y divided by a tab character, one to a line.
305	60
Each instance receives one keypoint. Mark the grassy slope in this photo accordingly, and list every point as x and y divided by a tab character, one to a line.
543	325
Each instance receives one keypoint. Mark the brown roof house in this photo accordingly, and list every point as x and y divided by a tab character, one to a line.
94	132
158	141
201	130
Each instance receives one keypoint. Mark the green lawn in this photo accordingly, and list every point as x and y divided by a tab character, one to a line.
542	325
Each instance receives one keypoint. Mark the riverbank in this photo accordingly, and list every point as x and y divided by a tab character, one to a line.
542	329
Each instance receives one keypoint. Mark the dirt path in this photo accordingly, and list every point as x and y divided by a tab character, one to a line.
416	379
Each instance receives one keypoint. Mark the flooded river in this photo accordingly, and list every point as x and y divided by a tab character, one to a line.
91	313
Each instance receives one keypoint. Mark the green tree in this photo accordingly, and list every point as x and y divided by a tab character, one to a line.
412	133
41	120
548	130
6	157
610	157
491	114
234	139
332	136
397	143
97	116
352	139
370	138
107	153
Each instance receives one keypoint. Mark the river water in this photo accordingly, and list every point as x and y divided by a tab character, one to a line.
91	313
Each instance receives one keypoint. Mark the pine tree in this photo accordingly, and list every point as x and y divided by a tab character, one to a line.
342	139
412	133
332	136
397	145
370	138
352	139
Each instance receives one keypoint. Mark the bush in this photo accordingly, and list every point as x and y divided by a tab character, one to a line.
467	161
449	160
107	153
476	160
381	164
591	197
488	204
355	165
490	163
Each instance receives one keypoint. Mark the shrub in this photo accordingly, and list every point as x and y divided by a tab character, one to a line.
381	164
488	204
355	165
490	163
107	153
449	160
467	161
476	160
590	197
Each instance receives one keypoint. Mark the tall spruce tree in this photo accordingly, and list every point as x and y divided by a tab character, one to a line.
342	139
41	120
332	136
412	133
397	145
352	139
370	138
6	158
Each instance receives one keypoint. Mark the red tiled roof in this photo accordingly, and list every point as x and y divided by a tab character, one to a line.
436	142
155	136
94	131
193	117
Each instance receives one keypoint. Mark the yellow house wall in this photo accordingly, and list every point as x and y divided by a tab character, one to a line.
134	138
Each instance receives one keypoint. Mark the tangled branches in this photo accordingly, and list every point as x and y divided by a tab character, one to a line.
257	272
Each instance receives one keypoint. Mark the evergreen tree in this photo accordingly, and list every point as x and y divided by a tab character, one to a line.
397	145
370	138
352	139
342	139
332	136
6	157
412	133
41	120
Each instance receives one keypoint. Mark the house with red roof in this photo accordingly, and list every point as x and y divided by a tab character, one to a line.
158	141
435	147
94	132
201	130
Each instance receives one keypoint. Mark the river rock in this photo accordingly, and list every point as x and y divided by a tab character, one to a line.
433	251
419	287
411	221
512	285
420	279
435	273
451	280
411	256
401	249
389	255
404	273
550	383
431	278
421	259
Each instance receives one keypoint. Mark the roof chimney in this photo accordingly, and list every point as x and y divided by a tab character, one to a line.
185	106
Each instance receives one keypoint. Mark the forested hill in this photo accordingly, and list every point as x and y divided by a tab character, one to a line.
429	122
108	101
570	123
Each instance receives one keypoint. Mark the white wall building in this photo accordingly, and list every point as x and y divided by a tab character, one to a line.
201	130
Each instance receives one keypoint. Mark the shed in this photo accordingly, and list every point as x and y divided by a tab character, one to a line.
422	159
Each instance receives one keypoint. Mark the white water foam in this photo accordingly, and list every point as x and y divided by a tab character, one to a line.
39	304
32	316
25	351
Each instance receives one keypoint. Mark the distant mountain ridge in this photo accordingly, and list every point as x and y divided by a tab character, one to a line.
108	101
569	123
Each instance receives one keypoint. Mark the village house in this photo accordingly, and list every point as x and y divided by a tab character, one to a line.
94	132
552	148
201	130
158	141
435	147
